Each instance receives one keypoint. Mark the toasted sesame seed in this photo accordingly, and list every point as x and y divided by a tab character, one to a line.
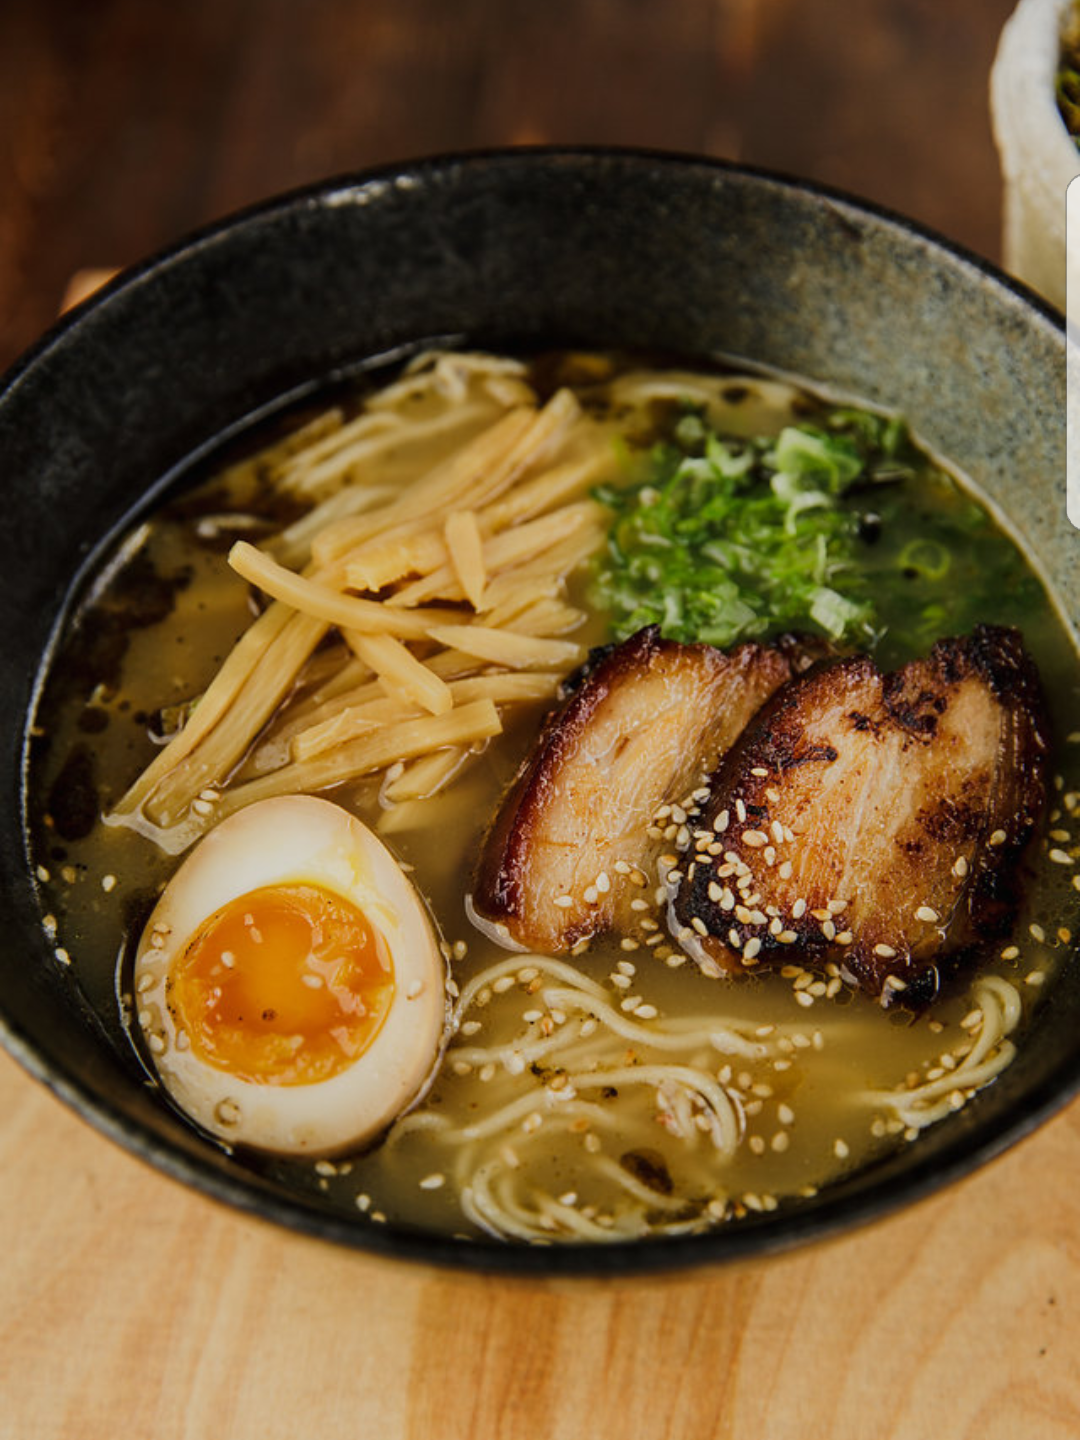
787	937
435	1181
798	910
622	982
886	952
780	1141
1037	933
564	901
997	838
924	912
960	867
841	1149
828	929
1035	977
804	998
1061	857
591	895
752	948
646	1012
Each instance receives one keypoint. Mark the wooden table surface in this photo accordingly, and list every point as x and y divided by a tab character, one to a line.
131	1306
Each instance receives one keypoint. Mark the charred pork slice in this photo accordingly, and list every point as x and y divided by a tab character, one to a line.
570	852
874	821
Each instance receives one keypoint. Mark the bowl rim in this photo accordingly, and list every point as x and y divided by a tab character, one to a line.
749	1239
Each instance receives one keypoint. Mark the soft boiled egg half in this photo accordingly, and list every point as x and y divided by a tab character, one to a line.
289	984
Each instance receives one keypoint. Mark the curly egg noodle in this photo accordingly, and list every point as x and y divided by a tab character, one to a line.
414	617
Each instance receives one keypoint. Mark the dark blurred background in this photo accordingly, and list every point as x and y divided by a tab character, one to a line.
125	123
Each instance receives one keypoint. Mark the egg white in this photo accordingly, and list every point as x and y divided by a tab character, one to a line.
298	840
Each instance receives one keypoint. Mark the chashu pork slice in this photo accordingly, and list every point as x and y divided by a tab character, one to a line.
875	821
569	852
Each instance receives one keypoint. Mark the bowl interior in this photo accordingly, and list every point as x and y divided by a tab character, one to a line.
601	248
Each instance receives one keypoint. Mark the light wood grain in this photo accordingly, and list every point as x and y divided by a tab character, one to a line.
131	1306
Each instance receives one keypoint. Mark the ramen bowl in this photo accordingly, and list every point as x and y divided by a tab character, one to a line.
510	250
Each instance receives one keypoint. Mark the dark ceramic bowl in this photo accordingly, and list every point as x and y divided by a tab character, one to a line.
602	248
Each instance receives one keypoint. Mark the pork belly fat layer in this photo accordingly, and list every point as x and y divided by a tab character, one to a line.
874	821
569	853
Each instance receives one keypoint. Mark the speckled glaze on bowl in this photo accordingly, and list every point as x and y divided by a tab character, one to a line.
581	247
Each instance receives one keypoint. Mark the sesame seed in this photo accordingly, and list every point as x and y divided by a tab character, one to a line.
786	870
1061	857
752	949
798	910
621	867
754	838
622	982
924	912
803	998
780	1141
1037	933
960	867
840	1149
787	937
699	925
1010	952
997	838
504	983
740	811
646	1012
845	937
828	929
756	1144
1035	977
591	895
722	821
886	952
734	939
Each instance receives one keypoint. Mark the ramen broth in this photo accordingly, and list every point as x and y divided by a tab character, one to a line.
155	624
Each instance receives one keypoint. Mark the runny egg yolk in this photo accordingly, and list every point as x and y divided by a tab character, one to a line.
286	985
